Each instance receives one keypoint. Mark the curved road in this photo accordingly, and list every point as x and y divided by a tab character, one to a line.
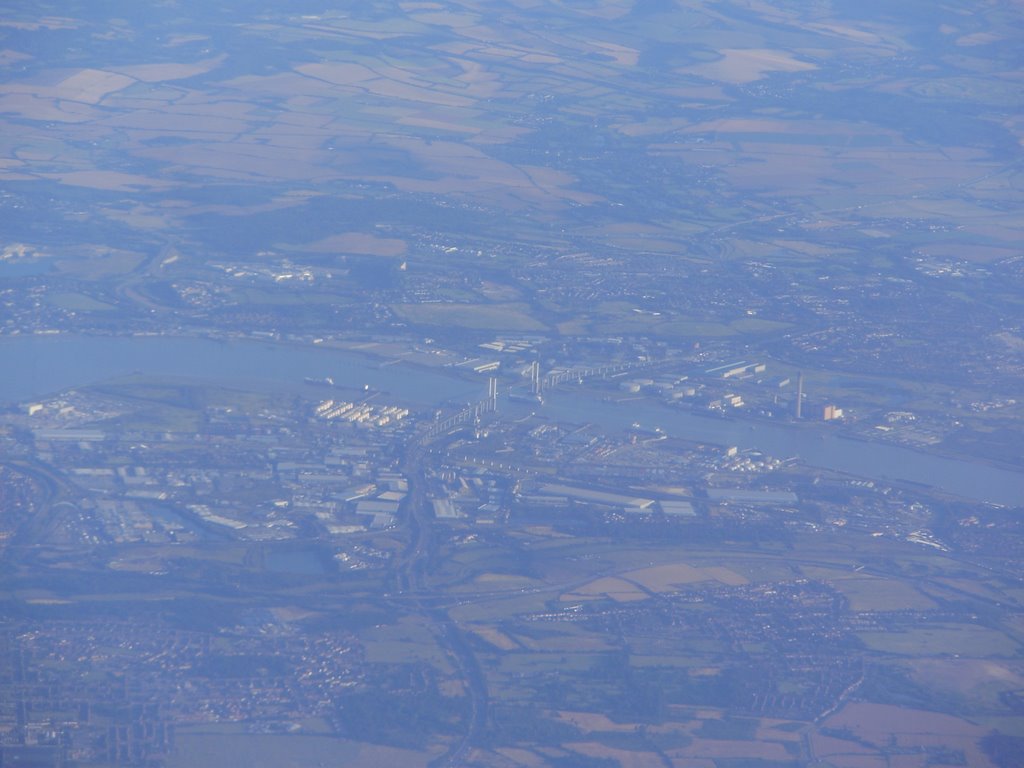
410	573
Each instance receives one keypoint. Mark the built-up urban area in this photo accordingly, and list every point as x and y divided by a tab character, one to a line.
485	384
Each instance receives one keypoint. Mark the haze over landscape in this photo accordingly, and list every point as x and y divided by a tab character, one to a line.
511	383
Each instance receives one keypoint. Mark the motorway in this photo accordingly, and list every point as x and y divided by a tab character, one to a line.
412	568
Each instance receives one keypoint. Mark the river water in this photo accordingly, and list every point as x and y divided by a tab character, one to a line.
816	447
36	366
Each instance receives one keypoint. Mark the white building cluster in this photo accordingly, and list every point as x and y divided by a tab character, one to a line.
363	413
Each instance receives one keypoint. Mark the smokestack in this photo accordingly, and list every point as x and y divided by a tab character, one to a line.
799	394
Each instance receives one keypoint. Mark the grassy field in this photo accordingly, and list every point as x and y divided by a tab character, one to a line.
214	747
871	594
79	302
943	640
405	642
498	317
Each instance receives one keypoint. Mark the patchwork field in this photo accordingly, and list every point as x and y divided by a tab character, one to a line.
650	188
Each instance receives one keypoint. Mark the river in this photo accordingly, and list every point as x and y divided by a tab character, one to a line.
34	366
39	365
815	447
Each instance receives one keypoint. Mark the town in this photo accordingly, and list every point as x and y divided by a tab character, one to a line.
251	518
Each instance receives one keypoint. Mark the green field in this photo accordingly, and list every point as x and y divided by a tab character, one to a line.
943	640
